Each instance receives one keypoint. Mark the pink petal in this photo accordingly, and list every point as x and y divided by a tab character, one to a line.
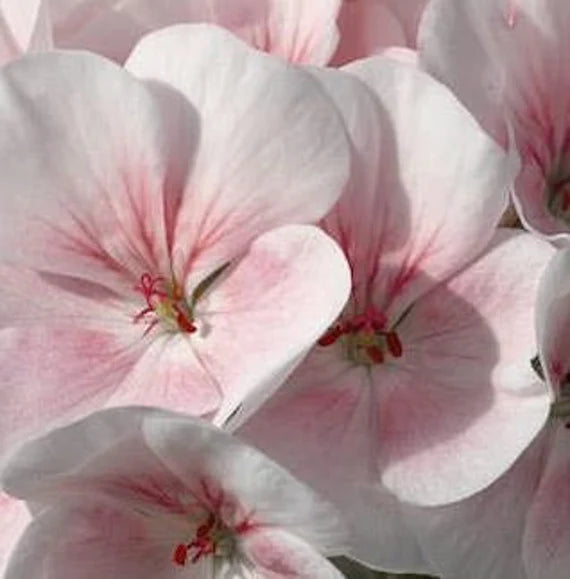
89	150
297	282
366	27
546	544
14	517
199	455
320	426
170	374
441	184
91	539
452	33
52	374
481	537
247	177
516	48
296	30
278	554
467	352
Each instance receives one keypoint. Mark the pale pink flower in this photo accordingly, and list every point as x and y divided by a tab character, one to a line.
422	390
143	253
24	27
314	32
518	527
298	30
136	493
506	60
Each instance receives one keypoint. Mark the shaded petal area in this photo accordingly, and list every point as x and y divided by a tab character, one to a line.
553	323
248	177
323	426
14	517
467	351
366	27
24	27
481	537
546	543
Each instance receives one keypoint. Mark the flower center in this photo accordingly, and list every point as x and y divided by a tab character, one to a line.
212	537
166	302
364	337
558	194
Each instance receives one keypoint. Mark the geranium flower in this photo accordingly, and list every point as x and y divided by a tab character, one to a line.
317	32
422	390
518	527
297	30
141	493
143	253
517	75
24	27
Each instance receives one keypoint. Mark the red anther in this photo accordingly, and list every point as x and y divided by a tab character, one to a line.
330	336
394	344
375	353
180	555
244	527
184	323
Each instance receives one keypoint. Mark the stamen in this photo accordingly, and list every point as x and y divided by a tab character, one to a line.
180	555
365	338
394	344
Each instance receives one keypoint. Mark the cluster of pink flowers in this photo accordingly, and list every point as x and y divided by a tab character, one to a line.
284	280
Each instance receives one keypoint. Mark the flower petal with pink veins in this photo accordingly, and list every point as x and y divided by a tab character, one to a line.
263	488
442	184
517	76
366	27
278	554
88	149
467	351
24	27
92	539
553	323
546	543
264	308
14	517
247	177
117	493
